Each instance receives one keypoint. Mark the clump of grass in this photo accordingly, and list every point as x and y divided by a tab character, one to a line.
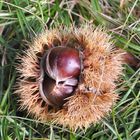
20	21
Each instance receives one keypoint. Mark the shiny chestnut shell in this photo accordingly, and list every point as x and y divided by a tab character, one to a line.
60	71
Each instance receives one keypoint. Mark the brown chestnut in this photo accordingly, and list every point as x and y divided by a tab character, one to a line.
131	60
60	71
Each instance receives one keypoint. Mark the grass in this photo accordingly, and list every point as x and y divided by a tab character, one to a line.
22	20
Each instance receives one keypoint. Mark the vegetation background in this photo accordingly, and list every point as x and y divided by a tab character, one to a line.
21	20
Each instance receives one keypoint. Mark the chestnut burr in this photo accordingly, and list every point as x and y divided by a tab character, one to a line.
69	76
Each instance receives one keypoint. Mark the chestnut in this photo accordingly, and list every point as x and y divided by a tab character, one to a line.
131	60
60	71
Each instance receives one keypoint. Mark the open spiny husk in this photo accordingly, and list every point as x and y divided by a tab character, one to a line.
102	69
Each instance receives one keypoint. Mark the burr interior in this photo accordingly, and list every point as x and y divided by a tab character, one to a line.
59	76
